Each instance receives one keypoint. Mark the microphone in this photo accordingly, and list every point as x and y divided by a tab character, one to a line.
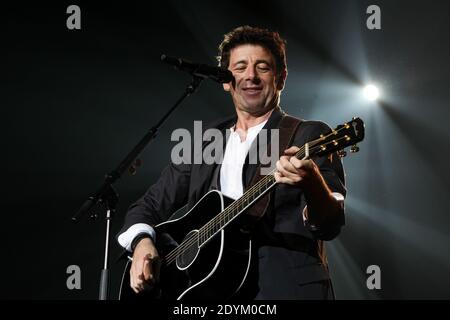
217	74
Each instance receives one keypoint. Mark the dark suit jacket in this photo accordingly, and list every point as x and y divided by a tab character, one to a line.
289	261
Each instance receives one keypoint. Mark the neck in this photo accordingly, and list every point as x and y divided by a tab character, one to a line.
246	120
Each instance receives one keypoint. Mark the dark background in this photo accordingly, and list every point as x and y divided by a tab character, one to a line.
75	101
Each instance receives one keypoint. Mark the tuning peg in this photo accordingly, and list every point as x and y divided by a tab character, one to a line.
354	148
342	153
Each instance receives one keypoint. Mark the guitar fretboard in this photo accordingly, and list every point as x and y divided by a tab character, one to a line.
234	209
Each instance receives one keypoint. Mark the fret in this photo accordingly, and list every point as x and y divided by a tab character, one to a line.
206	236
216	228
266	184
253	195
258	190
240	205
220	222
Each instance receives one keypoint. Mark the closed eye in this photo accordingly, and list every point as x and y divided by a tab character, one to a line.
264	69
242	68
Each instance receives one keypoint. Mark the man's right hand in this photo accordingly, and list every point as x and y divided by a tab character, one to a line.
144	272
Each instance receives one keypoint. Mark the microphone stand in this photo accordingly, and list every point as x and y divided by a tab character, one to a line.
106	194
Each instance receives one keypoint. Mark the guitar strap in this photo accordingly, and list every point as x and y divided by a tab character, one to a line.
287	128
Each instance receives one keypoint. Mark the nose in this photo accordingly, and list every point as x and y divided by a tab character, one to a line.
251	73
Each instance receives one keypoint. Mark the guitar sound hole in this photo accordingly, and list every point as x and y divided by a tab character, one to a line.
189	251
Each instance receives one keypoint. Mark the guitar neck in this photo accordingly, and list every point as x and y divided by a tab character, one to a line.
246	200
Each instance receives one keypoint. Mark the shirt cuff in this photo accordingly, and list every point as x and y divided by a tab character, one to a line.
126	239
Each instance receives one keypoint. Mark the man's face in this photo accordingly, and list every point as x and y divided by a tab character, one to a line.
256	88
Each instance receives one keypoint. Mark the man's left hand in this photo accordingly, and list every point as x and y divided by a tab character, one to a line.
294	171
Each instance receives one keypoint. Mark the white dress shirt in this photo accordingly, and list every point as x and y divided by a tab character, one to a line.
233	161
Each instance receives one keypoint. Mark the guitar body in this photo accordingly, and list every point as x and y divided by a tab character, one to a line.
215	270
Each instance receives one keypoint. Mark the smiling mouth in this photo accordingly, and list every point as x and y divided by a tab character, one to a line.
252	90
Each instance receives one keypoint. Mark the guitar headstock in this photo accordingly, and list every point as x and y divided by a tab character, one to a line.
344	135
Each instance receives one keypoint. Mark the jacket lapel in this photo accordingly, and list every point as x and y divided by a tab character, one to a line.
249	169
202	174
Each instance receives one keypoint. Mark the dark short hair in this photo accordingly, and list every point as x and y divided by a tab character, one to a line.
270	40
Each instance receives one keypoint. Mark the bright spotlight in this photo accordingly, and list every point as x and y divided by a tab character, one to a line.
371	92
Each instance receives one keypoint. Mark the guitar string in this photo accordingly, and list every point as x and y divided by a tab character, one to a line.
228	212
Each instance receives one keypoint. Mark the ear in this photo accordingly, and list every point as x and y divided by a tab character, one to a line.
282	79
226	86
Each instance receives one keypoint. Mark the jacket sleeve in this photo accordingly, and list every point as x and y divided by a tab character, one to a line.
332	170
167	195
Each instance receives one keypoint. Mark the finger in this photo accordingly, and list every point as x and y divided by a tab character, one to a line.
297	163
281	179
135	290
304	167
288	166
147	270
131	277
133	281
281	171
134	267
292	150
138	276
286	169
277	176
287	176
140	283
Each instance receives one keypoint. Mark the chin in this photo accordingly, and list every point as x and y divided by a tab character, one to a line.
257	110
254	106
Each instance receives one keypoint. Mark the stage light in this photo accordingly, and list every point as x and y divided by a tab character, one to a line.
371	92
